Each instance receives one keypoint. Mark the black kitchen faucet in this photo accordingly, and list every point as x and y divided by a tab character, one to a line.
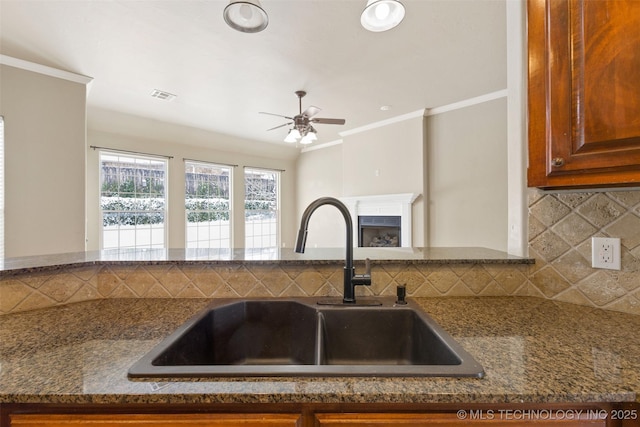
351	279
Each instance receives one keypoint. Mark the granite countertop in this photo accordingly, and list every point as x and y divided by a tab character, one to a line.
533	350
18	265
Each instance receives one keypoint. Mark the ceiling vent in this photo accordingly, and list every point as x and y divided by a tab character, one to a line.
160	94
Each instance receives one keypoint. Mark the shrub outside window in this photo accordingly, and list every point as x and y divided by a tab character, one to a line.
132	201
208	205
262	210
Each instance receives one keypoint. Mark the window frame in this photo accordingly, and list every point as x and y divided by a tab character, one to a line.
230	200
278	210
165	224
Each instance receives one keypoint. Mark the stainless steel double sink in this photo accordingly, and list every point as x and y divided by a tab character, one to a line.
299	337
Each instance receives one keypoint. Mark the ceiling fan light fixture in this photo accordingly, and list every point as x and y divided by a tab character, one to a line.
309	136
292	136
302	128
246	16
306	140
382	15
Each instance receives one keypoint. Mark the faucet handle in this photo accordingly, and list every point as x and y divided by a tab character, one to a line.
401	292
363	279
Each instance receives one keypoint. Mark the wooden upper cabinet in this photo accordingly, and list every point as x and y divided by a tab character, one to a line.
584	93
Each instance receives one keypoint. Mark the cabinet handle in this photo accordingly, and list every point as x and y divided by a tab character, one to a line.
557	161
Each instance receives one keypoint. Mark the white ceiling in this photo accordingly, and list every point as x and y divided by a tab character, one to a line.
444	51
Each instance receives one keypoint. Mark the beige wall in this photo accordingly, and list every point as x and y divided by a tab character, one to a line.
45	119
147	136
467	176
384	160
457	160
388	160
319	174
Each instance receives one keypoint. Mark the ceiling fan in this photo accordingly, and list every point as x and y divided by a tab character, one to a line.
302	122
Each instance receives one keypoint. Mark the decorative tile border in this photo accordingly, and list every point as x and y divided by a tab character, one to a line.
46	289
35	290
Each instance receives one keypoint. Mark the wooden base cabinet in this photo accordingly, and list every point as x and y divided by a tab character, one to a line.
322	415
459	419
156	420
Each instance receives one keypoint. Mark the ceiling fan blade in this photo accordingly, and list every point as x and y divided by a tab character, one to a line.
273	114
277	127
329	121
311	111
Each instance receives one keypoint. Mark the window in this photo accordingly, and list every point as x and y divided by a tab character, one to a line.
262	209
208	205
132	201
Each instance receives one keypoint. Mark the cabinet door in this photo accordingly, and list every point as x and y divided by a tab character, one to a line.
584	86
157	420
448	419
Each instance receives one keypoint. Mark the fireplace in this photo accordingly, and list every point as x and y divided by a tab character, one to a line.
379	231
380	208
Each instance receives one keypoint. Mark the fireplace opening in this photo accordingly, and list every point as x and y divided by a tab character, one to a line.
379	231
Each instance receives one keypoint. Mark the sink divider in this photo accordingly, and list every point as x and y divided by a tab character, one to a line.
319	359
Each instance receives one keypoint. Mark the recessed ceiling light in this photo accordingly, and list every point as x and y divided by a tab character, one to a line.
246	16
161	94
385	108
382	15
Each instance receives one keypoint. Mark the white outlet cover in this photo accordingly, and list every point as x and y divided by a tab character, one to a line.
605	253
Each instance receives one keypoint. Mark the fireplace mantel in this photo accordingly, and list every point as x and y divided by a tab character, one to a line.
383	205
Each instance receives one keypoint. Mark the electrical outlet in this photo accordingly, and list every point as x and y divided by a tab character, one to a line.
605	252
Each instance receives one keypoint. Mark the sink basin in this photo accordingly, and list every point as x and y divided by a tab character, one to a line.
262	332
382	337
298	337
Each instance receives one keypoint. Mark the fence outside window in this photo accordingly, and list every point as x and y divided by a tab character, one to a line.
132	201
208	195
262	209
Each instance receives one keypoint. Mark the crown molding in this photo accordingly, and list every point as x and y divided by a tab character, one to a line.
321	146
466	103
419	113
374	125
44	70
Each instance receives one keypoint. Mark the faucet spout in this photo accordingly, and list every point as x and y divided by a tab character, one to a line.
350	277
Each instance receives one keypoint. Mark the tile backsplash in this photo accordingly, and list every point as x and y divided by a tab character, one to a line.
45	289
560	229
